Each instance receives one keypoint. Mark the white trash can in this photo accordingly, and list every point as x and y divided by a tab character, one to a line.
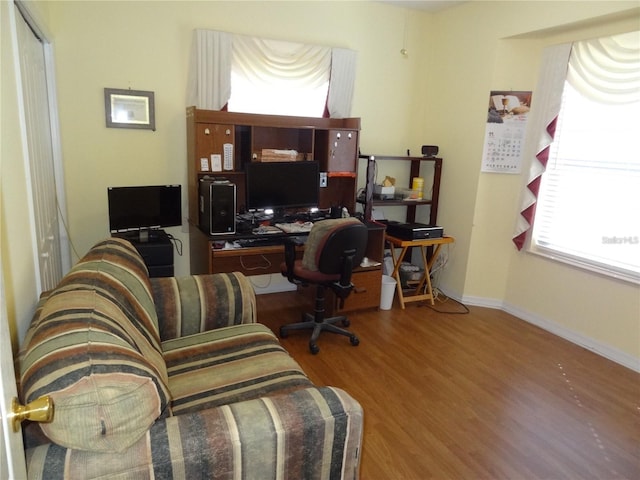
387	292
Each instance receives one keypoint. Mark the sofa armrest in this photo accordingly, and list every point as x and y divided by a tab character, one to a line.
310	433
197	303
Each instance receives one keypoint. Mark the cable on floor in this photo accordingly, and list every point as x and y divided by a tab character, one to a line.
438	298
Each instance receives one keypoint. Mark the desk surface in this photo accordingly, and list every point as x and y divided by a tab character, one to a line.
425	242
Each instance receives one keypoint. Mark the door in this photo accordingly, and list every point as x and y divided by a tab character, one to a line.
44	167
36	110
12	462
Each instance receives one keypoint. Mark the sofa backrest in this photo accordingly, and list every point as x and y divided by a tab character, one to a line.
94	348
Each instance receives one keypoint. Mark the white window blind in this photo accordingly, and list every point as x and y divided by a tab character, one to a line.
39	124
588	210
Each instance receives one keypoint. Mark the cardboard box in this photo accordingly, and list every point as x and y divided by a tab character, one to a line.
275	155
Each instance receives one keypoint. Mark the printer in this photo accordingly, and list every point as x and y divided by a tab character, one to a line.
413	231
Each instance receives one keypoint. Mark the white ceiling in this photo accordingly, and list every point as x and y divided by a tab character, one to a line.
425	5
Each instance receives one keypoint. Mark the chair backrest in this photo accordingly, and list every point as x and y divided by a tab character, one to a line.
345	242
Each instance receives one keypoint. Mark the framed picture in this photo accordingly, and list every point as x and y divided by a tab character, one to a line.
129	109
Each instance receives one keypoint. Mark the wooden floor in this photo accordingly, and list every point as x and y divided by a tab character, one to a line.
481	395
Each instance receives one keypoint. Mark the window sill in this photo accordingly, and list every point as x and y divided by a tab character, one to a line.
604	270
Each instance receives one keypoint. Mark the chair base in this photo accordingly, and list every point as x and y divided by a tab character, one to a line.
327	324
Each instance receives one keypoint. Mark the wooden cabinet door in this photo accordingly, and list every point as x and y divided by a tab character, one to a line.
343	150
210	140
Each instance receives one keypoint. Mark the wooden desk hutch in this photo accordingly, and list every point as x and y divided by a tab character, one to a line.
333	143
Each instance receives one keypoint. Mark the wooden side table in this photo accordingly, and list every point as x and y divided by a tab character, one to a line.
404	245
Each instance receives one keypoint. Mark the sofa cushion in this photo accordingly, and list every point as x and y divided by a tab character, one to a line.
94	348
196	303
229	365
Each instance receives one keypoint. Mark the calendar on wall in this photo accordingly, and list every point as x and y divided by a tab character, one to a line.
504	134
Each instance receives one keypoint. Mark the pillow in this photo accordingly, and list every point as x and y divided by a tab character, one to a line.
317	238
93	349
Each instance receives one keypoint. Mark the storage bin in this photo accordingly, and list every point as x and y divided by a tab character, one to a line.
387	292
407	194
410	274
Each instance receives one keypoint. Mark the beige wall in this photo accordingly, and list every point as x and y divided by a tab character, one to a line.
145	46
436	95
481	208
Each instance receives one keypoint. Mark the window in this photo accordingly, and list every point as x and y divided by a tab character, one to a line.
278	78
588	207
302	80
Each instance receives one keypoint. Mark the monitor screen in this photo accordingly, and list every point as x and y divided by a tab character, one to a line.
280	185
152	206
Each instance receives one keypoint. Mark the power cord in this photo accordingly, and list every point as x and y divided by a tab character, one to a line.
176	242
66	229
255	284
437	293
258	267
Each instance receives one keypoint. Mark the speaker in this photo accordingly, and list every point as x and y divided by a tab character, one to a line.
217	214
429	150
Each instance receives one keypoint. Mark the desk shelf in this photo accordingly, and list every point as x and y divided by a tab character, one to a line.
414	165
331	142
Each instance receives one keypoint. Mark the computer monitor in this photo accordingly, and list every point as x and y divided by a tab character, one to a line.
282	185
144	207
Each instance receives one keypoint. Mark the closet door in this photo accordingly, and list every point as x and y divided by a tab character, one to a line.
41	169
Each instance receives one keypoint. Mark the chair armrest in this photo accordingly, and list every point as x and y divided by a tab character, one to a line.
197	303
309	433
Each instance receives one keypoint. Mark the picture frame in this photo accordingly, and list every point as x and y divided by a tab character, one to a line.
129	109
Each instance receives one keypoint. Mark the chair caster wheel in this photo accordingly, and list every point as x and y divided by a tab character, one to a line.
313	348
346	322
354	341
283	333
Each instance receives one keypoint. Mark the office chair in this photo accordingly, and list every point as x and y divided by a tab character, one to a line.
333	249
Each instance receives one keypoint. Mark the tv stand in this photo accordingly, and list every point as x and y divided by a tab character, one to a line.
155	248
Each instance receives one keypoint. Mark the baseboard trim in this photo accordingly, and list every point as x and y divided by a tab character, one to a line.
590	344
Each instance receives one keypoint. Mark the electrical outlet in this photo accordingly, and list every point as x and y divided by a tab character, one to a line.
323	179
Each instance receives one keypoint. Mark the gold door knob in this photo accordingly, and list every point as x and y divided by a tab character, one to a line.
40	410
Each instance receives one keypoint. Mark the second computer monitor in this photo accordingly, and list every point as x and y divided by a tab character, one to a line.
282	185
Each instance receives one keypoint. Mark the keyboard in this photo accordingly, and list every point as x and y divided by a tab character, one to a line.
295	227
265	241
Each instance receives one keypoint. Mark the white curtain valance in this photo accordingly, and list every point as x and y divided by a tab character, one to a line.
607	70
214	55
296	65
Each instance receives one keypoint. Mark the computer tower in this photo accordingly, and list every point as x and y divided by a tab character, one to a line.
217	214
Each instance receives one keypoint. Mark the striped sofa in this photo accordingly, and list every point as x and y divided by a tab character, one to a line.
172	378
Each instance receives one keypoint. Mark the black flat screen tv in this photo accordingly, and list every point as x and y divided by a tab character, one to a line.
144	207
282	185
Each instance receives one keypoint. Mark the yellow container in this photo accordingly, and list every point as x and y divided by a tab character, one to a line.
418	184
